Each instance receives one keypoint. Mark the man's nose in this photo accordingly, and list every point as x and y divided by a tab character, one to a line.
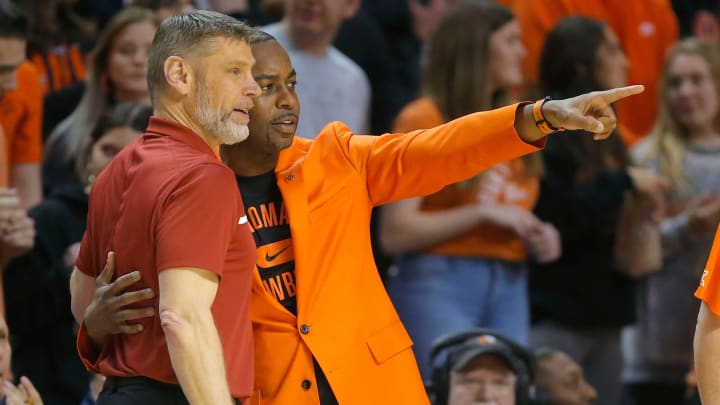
252	89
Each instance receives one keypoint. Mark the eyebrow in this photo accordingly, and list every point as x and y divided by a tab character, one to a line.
241	62
267	76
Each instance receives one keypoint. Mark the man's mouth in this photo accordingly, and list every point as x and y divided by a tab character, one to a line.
244	112
286	124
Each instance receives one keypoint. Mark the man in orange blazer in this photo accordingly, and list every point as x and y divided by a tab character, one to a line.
325	331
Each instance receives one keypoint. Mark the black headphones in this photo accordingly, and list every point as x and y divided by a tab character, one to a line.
522	363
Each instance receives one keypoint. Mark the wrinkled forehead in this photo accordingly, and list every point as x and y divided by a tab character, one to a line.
220	52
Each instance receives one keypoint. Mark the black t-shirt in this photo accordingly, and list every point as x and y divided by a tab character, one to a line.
268	219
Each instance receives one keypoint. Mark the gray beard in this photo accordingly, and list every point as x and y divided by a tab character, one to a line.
217	123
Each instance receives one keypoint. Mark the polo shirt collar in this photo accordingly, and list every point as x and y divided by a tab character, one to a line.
175	130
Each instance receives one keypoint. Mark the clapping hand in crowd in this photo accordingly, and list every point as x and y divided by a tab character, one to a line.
17	230
21	394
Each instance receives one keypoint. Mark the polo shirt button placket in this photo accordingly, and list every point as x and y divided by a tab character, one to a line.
306	385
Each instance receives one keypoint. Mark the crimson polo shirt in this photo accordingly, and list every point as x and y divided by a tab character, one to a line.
164	202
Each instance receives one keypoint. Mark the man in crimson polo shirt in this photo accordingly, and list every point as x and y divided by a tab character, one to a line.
168	206
325	330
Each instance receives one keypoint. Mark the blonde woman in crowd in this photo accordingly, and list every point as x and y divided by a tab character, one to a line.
685	147
118	73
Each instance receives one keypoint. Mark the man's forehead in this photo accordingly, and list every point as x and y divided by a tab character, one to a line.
226	47
560	363
487	361
272	62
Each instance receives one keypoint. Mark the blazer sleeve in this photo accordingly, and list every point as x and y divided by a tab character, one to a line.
398	166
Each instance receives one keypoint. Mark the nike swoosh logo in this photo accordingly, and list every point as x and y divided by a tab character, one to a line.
270	258
242	220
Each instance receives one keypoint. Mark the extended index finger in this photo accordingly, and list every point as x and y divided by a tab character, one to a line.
613	95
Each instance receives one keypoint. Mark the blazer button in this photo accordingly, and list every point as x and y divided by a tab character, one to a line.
304	329
306	384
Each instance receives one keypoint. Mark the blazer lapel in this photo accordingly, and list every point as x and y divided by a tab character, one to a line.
292	186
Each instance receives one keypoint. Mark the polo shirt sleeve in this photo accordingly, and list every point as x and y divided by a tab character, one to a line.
197	219
85	261
710	280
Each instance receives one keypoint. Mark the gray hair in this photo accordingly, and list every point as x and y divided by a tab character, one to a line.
183	34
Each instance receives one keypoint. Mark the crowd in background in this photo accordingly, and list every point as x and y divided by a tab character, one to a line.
589	247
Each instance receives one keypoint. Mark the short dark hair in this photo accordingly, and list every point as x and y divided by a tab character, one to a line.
184	33
262	36
126	114
13	23
569	56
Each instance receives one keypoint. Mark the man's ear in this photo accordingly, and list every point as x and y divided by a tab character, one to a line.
178	74
351	7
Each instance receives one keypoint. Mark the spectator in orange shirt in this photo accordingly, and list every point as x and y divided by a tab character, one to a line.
57	35
20	113
645	28
464	249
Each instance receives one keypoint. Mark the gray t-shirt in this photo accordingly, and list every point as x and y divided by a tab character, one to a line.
332	88
658	347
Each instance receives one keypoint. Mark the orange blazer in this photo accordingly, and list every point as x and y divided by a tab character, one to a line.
344	317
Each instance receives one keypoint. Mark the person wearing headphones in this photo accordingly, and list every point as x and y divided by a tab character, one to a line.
478	366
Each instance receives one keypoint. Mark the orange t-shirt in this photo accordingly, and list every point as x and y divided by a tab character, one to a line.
4	167
646	30
21	118
709	288
504	183
59	67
